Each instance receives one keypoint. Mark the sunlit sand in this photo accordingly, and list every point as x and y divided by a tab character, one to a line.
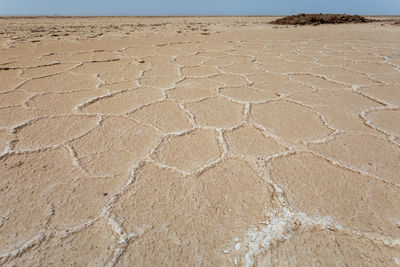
198	141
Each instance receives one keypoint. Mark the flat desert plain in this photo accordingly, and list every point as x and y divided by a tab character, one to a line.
198	141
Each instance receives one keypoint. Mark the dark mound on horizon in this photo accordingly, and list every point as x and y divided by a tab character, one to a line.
316	19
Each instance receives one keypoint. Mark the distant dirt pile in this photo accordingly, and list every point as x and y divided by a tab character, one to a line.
316	19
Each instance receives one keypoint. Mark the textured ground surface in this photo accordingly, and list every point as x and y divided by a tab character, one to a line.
198	141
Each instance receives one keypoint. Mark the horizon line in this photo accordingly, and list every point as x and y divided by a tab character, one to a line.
235	15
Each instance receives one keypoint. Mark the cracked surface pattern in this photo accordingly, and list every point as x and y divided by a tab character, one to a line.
198	141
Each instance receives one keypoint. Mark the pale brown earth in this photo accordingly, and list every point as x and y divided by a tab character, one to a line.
198	142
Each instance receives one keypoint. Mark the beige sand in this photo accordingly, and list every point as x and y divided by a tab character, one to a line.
198	142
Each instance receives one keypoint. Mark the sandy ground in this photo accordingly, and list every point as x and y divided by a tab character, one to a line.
198	142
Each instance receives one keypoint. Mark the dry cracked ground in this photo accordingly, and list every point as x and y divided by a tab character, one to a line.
198	142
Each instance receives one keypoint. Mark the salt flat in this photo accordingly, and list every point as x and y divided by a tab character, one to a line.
207	141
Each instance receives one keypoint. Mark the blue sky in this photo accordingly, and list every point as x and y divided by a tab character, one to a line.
203	7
